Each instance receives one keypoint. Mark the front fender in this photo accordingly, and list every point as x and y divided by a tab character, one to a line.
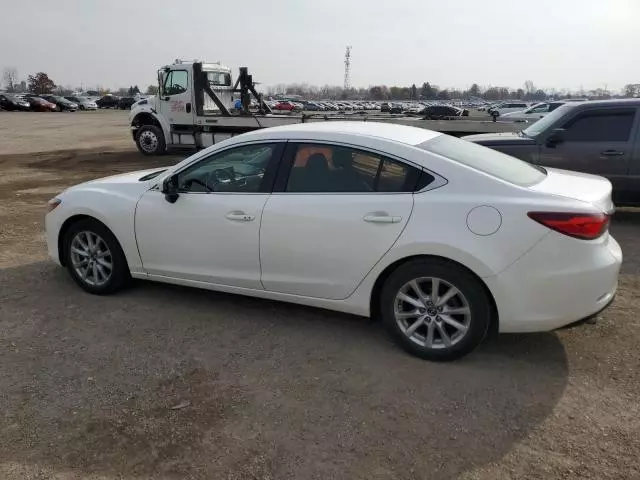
146	115
115	209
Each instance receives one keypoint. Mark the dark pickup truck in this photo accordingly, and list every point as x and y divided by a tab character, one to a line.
599	137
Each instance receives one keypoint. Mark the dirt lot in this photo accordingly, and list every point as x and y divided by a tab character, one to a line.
170	383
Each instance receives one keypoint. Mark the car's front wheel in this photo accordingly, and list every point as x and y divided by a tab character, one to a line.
94	258
435	309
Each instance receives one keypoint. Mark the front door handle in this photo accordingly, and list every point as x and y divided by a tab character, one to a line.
239	216
612	153
381	219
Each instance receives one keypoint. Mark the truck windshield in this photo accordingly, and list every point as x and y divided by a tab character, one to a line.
549	119
483	159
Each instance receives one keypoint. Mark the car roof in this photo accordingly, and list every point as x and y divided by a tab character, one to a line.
388	131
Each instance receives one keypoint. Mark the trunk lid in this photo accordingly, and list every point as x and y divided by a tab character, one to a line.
580	186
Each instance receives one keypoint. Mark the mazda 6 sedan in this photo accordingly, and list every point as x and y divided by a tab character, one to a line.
440	238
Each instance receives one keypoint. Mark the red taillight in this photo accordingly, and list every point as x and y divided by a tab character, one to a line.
585	226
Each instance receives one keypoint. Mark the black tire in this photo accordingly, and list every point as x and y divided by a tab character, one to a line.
468	285
145	142
120	276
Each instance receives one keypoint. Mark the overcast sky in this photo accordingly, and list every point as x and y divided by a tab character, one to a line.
555	43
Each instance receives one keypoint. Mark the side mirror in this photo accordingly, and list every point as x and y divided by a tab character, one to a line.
556	137
170	190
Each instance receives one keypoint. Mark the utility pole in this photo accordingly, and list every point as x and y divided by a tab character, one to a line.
347	69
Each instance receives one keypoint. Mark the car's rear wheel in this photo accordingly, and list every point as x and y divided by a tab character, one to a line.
94	258
435	309
150	140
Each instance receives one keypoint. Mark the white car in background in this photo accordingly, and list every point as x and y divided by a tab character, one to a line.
441	238
507	107
531	114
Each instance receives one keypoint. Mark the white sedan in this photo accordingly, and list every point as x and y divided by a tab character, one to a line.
441	238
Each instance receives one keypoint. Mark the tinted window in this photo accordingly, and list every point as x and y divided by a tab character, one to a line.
548	120
485	160
176	82
600	127
328	168
239	169
540	109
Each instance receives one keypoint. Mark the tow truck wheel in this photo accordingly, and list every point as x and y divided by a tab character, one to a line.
150	140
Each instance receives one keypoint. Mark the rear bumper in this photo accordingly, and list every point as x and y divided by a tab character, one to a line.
559	282
590	317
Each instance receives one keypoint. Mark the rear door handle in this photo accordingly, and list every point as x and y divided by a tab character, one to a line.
239	216
612	153
381	219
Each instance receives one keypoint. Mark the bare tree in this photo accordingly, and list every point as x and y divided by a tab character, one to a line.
529	87
10	77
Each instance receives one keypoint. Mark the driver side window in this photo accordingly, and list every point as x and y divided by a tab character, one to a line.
540	109
237	170
176	82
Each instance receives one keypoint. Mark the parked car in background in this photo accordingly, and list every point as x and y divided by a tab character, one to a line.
12	102
533	113
438	112
84	103
62	103
108	101
600	137
286	106
396	108
385	107
39	104
125	102
507	107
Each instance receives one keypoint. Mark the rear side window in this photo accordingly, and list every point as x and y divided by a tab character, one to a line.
326	168
485	160
600	127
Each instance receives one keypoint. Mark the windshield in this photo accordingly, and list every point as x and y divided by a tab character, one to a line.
542	124
486	160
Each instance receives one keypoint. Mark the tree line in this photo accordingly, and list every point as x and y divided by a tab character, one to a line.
40	83
428	91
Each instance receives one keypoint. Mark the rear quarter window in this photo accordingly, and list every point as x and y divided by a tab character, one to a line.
485	160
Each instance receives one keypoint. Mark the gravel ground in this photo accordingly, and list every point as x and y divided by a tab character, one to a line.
165	382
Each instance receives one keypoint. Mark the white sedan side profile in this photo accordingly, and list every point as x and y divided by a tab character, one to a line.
441	238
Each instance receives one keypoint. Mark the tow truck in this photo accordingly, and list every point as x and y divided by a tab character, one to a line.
194	109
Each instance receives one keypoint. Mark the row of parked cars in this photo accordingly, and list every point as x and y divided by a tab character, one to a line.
57	103
429	111
321	106
517	111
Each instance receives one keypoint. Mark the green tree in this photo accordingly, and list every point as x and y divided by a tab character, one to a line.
152	90
632	90
414	92
378	92
474	91
520	94
492	93
427	91
41	83
444	95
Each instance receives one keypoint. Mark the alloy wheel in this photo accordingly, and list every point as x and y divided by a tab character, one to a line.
91	258
432	313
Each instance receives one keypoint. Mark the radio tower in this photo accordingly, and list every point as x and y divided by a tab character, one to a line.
347	68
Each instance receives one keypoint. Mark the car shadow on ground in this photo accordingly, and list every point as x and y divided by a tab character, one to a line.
164	381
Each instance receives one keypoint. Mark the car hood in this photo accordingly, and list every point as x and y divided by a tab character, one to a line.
132	182
505	138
